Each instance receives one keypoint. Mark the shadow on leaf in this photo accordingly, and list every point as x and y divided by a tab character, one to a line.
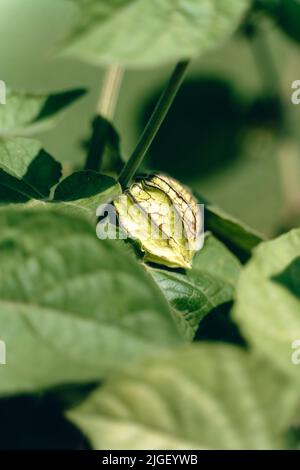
201	133
42	174
290	277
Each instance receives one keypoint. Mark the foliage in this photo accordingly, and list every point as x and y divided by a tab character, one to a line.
78	313
27	113
267	305
103	32
204	397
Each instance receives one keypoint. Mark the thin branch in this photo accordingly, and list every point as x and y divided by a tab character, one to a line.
288	153
105	112
110	92
154	123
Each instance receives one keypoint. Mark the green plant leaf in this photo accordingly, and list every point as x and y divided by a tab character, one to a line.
238	237
201	397
211	282
26	170
268	306
72	308
290	277
104	142
81	185
286	14
84	191
27	113
116	31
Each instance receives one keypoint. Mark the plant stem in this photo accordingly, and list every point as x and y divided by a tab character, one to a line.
270	78
287	140
154	124
265	65
110	92
104	113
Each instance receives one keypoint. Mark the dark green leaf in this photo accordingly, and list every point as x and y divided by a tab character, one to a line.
85	190
26	170
290	277
211	282
287	14
82	184
104	148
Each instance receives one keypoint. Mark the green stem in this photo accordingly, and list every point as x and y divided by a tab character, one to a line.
105	112
154	124
288	167
110	91
265	64
270	77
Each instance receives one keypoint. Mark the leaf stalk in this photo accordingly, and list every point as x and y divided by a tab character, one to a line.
154	124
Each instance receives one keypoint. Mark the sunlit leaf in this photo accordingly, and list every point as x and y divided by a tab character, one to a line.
26	113
202	397
144	32
26	170
268	304
72	308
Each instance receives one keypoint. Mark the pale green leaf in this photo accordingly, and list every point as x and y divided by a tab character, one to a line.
26	170
26	113
240	238
268	306
147	32
72	308
201	397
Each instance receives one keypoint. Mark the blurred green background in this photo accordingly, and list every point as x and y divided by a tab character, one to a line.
220	137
